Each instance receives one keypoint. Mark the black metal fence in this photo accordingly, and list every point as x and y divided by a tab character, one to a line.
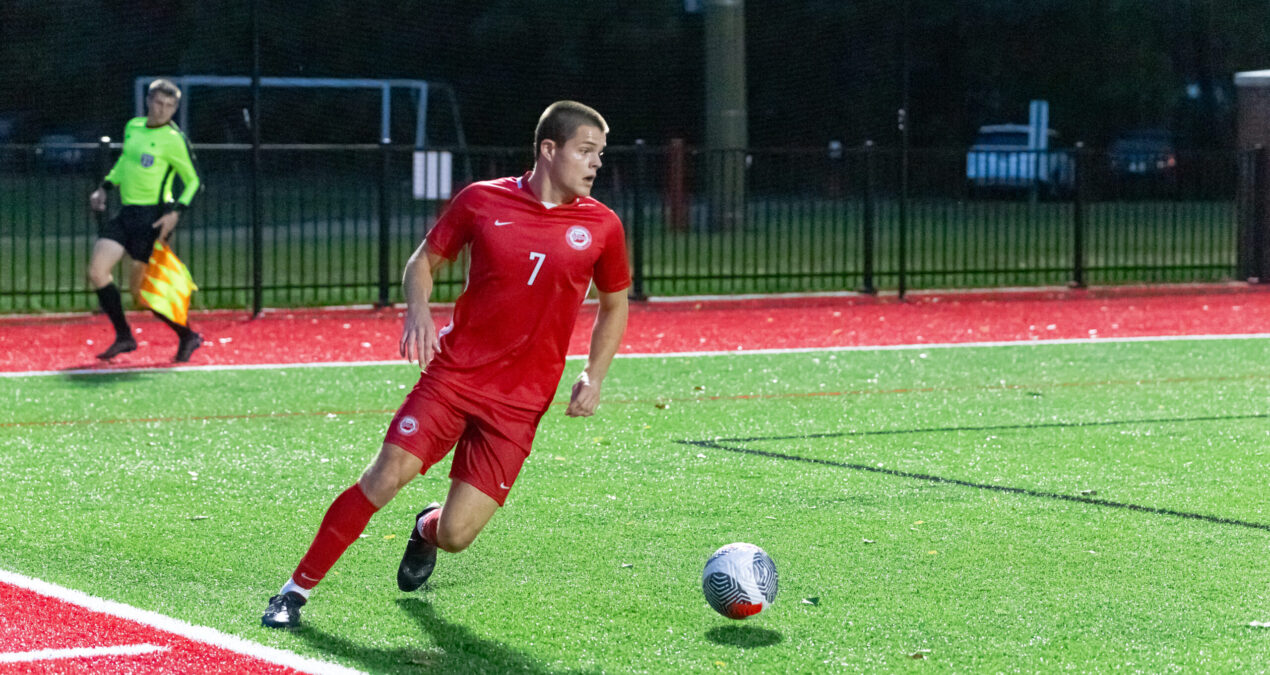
338	222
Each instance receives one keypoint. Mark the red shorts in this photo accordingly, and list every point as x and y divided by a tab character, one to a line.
493	439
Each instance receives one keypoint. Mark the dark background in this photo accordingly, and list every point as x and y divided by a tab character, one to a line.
817	69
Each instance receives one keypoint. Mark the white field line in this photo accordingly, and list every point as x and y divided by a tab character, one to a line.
78	653
203	634
739	351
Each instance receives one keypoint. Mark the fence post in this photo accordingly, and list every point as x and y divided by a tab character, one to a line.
676	190
1078	217
103	166
384	249
257	206
903	214
1257	258
870	219
637	220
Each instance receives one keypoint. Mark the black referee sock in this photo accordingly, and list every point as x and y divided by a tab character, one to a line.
181	331
112	304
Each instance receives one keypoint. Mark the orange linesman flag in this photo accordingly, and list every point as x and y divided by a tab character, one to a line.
167	285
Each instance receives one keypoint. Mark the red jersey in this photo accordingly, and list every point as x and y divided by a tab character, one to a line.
529	273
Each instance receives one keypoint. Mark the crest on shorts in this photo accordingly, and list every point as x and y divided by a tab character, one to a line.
408	425
147	160
578	237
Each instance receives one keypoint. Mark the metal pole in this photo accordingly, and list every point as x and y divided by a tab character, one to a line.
421	117
903	123
870	219
727	130
637	221
103	166
257	226
1259	211
1078	220
384	249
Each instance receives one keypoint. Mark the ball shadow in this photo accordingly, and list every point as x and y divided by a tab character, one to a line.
745	636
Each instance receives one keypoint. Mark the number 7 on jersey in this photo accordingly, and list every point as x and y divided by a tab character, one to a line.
538	258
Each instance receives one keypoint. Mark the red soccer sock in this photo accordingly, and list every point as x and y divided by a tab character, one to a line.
344	521
428	526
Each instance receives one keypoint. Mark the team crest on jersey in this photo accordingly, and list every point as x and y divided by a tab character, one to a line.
408	425
578	237
147	160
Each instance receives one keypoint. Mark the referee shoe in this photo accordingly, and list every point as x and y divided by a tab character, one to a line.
188	344
121	345
420	557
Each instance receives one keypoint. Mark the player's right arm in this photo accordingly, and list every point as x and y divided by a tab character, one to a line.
453	230
98	198
419	341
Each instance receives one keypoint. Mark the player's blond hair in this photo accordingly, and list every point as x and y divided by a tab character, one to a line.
165	87
562	118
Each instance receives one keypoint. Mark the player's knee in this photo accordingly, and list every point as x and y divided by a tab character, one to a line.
97	277
378	491
387	474
380	486
454	540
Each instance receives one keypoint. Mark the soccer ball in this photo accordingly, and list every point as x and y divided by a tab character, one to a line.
739	581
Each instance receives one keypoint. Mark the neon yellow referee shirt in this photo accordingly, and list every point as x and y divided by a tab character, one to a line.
150	162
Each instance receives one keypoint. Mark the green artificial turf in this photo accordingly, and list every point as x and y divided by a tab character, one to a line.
1092	507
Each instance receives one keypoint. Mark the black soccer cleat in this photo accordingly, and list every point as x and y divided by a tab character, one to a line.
188	344
121	345
420	557
283	611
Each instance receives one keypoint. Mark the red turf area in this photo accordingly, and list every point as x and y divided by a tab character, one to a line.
31	622
314	336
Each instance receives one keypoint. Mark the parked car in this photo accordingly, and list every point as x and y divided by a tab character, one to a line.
1144	153
61	150
1003	159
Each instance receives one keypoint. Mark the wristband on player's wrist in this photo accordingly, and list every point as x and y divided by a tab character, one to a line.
106	186
179	207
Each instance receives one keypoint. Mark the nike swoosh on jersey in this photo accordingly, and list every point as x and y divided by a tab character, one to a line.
505	486
500	223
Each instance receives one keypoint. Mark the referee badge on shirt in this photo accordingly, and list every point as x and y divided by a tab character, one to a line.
147	160
578	237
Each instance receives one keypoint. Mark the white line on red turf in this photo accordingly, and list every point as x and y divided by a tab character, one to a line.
203	634
654	355
78	653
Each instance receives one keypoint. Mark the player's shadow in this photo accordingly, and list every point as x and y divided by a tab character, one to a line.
745	636
81	375
455	649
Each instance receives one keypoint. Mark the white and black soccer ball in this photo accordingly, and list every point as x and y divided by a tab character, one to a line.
739	581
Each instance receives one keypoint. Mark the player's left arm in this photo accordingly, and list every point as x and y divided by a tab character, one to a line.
606	337
181	160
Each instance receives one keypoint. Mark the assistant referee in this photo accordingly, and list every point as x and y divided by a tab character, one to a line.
154	153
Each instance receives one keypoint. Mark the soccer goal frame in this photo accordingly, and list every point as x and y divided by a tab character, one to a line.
419	88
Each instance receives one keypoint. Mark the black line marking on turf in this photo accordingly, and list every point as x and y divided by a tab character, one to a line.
1000	427
718	445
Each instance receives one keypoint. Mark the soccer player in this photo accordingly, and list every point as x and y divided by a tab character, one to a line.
154	153
536	243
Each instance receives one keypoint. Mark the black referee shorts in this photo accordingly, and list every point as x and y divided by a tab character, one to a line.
131	227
